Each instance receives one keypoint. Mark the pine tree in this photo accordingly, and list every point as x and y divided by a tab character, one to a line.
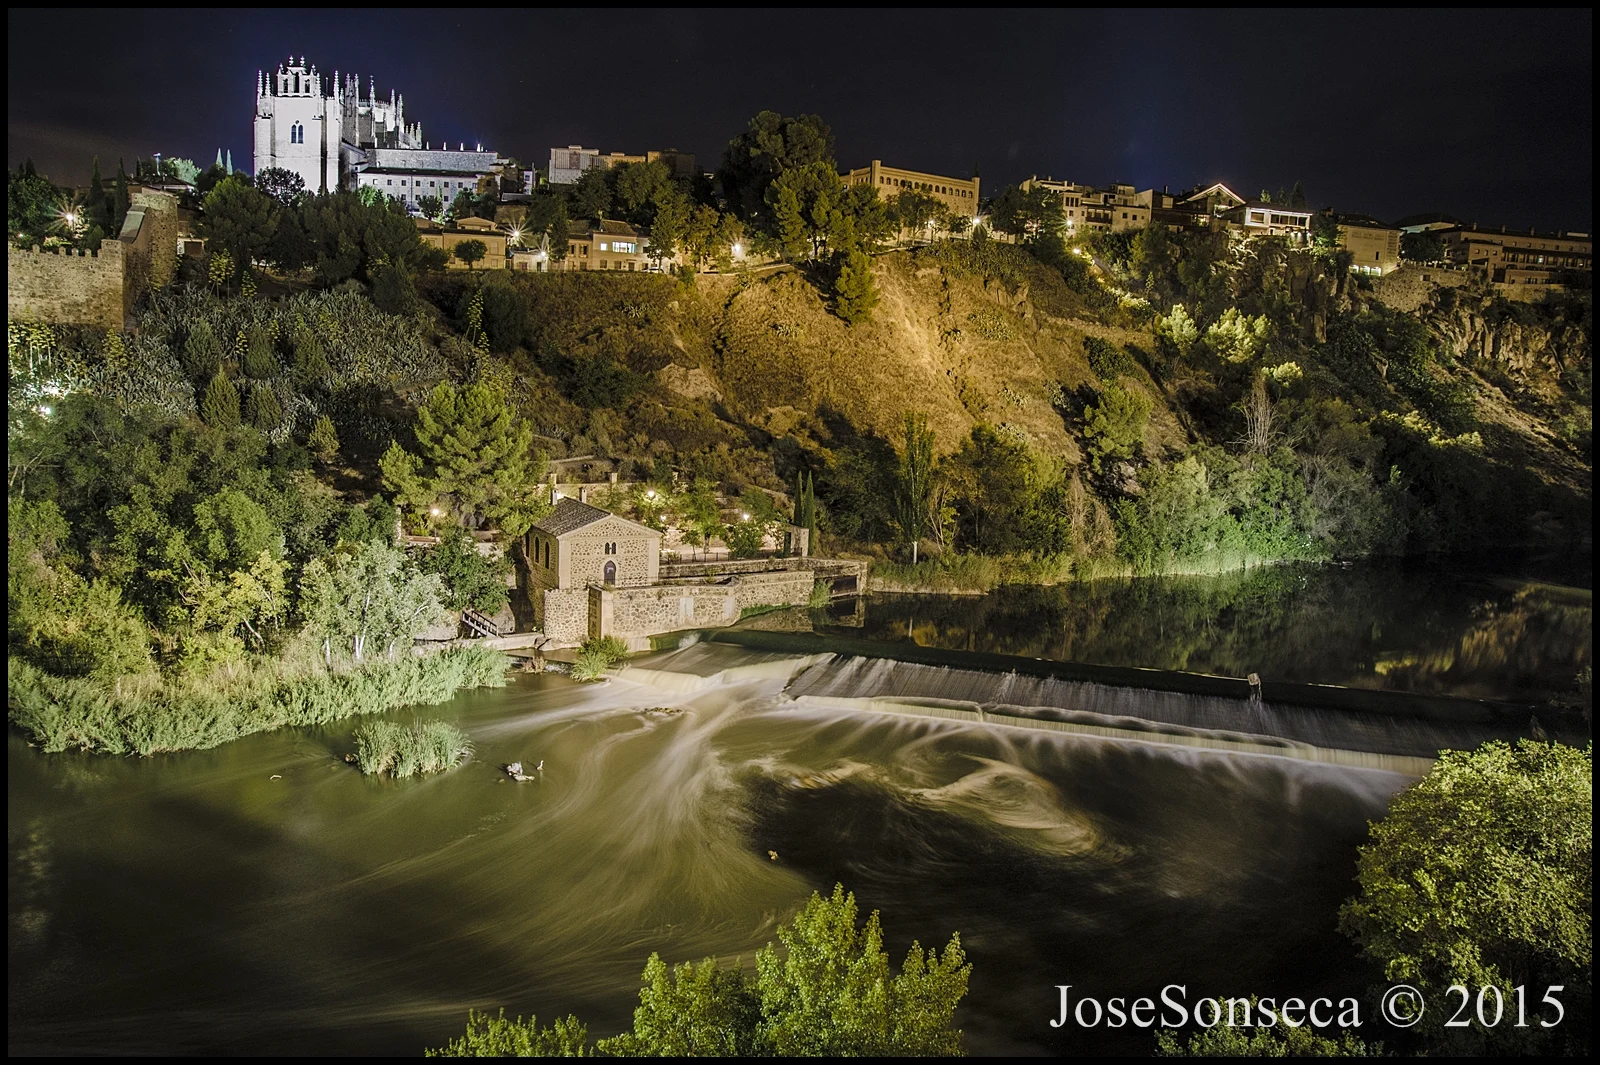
259	362
220	407
263	409
310	364
100	207
324	440
854	294
202	352
122	200
805	507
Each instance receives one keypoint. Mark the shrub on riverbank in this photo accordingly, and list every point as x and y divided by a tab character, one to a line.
148	715
401	751
596	655
830	993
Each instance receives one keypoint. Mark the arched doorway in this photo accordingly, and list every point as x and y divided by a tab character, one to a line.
611	573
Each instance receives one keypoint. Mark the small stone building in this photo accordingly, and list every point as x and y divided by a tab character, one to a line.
577	545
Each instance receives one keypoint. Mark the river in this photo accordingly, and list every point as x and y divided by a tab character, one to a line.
265	898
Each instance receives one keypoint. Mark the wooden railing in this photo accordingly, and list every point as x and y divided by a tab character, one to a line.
480	623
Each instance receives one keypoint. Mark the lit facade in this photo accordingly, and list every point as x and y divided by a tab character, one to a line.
335	137
1374	247
960	195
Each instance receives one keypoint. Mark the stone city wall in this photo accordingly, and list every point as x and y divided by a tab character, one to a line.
1409	287
66	287
99	289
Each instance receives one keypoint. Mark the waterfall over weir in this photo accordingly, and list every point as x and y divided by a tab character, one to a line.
833	684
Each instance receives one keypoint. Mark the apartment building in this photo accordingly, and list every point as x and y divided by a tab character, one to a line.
605	246
1515	257
1374	246
958	194
1260	219
480	229
1113	208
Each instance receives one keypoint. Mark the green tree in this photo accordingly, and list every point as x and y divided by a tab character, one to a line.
471	579
260	362
323	441
916	211
471	251
474	456
913	503
241	221
1421	247
262	408
372	597
591	195
310	361
33	208
432	207
220	407
699	513
1237	337
640	187
1272	1041
350	237
202	351
1113	427
496	1037
770	145
1482	874
830	992
854	293
991	477
122	198
285	186
1324	231
691	1010
805	508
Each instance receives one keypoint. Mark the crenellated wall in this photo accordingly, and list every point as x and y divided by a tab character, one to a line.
65	287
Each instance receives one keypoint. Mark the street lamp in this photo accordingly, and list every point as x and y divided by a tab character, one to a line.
435	512
744	517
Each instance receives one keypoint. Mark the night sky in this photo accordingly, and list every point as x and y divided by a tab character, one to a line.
1484	115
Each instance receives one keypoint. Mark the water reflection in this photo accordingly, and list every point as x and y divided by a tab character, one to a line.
194	904
1432	629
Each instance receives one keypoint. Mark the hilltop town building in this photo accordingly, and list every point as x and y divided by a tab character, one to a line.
568	164
480	229
958	194
1374	246
1513	257
1084	207
334	137
606	245
1270	219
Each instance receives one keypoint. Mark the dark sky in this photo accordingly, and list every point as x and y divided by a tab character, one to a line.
1486	115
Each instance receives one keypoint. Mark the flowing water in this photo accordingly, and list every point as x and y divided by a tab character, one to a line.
265	898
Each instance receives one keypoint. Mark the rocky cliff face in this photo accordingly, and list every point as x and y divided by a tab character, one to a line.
1526	340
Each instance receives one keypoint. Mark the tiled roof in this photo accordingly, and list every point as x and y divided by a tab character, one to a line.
569	516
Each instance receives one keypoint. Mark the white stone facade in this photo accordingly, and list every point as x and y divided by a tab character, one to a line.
331	134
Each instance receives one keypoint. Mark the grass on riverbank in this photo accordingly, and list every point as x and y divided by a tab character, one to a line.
402	751
596	655
149	715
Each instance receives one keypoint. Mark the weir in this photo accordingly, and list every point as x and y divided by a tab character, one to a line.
1393	731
